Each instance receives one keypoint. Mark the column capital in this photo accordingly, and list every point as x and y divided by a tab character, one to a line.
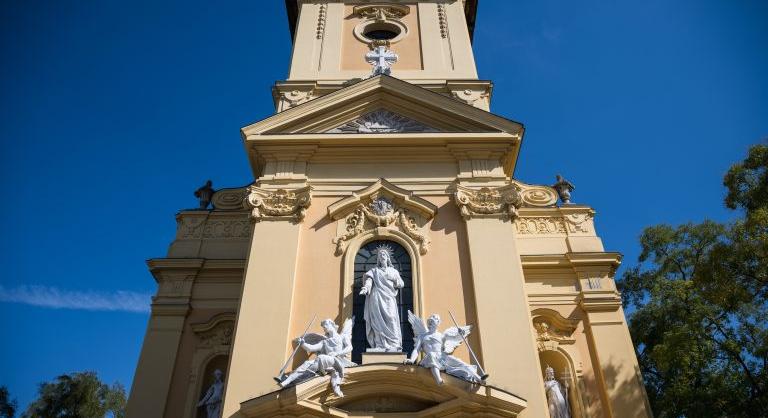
488	202
278	204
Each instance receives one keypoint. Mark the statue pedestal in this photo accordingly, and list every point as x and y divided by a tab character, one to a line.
374	357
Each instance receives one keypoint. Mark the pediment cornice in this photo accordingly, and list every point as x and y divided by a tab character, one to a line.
382	92
401	197
383	390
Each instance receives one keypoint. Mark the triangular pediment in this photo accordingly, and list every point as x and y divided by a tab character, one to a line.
382	104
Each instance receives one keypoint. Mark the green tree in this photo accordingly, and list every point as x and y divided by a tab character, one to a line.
78	395
698	303
7	406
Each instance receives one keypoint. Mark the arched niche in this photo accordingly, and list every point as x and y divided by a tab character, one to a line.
216	362
557	349
565	374
366	259
213	340
348	284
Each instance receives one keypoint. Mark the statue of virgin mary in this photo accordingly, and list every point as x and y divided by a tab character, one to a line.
382	320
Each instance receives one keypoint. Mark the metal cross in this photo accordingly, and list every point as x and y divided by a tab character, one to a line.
382	59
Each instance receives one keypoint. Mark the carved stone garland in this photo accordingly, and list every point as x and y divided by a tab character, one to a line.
488	202
278	204
380	212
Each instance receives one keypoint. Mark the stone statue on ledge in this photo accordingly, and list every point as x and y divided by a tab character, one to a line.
204	194
563	188
558	406
332	355
437	348
212	398
382	320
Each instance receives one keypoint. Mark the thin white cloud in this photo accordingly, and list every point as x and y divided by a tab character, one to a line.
51	297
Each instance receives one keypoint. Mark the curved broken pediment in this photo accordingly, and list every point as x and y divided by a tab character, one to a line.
382	205
380	390
382	188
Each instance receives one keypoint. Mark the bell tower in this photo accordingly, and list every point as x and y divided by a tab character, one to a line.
432	41
383	198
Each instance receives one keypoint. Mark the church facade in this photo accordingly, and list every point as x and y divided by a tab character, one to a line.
385	261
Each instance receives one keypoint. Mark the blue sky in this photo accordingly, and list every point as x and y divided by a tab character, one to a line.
112	113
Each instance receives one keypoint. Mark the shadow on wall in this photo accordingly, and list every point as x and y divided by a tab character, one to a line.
626	393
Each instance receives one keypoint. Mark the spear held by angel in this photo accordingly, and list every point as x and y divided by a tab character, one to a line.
331	355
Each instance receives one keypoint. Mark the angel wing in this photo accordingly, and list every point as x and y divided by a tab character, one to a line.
419	328
452	339
346	329
312	338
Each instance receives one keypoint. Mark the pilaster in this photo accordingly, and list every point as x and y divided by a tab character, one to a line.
500	298
612	351
161	341
265	306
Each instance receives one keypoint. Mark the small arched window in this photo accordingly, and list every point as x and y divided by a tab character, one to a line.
365	259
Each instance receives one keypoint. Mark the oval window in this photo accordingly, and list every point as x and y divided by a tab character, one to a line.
380	31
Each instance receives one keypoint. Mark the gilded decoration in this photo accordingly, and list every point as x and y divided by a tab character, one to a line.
488	202
281	204
382	205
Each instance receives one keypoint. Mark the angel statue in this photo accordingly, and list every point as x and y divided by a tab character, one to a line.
437	348
332	355
558	407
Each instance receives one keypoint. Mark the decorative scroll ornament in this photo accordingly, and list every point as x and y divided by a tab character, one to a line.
578	222
552	329
488	202
229	199
381	121
380	212
535	195
278	204
297	97
381	12
470	96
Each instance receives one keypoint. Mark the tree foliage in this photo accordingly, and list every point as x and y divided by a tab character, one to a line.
78	395
7	406
699	302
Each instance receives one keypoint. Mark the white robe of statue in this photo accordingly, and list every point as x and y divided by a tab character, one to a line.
212	398
382	320
558	407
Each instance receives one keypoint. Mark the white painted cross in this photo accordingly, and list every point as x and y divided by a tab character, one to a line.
382	59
